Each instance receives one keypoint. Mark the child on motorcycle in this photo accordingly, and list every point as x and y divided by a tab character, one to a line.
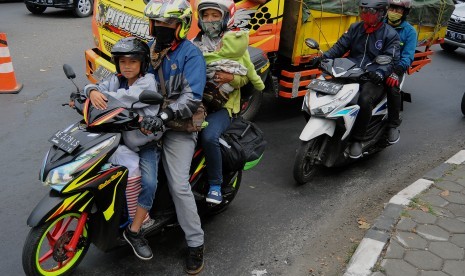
229	67
396	17
131	57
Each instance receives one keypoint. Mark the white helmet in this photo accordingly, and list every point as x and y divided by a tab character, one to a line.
226	7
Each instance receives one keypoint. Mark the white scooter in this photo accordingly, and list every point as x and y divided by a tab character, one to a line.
330	106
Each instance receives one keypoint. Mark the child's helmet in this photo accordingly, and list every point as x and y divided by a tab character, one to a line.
131	47
167	10
226	7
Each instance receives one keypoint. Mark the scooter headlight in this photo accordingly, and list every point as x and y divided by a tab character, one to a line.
60	176
326	109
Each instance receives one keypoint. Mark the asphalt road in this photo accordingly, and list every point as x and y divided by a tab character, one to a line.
273	224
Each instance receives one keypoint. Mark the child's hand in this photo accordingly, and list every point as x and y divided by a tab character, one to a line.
98	99
71	103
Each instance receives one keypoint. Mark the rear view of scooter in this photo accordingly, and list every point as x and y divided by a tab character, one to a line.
330	106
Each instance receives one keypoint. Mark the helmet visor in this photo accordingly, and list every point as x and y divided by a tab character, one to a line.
167	20
369	10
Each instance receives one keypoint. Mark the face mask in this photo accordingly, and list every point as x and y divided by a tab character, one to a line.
212	29
164	37
370	19
394	18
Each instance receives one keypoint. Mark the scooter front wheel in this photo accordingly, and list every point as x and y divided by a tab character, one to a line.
45	250
304	164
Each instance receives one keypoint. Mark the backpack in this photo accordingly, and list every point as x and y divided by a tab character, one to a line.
242	145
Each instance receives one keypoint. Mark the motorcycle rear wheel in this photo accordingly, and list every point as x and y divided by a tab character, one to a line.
304	164
228	195
44	252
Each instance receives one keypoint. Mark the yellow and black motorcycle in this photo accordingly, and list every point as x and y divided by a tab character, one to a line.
87	203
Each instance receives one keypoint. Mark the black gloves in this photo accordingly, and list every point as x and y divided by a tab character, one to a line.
376	77
152	123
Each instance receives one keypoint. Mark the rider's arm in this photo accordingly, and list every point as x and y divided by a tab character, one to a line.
410	43
239	81
391	48
193	80
131	95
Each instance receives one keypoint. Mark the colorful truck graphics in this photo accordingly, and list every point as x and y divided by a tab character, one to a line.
277	27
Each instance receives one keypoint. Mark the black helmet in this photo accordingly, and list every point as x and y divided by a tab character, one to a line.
376	4
131	47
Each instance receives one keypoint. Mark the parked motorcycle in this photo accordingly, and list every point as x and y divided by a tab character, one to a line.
330	106
87	203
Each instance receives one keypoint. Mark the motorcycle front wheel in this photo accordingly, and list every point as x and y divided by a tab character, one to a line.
44	251
304	164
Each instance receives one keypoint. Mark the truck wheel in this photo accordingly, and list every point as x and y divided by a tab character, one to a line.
448	48
83	8
250	103
35	9
463	104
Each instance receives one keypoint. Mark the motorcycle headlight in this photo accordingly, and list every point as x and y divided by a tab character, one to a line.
60	176
329	107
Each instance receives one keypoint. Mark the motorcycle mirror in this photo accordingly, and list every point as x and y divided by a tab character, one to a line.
383	59
150	97
69	72
312	44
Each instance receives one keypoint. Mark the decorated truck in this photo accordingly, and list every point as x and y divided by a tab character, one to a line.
277	30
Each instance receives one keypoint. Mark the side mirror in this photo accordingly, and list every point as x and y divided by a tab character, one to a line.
312	44
151	97
383	59
69	72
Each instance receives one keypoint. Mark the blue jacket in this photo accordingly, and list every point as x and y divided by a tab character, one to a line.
364	48
408	43
184	72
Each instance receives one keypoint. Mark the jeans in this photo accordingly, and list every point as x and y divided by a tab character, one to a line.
218	122
149	158
370	94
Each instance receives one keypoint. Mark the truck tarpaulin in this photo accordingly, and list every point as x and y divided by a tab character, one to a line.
424	12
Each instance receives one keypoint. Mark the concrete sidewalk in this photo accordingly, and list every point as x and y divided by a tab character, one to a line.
421	231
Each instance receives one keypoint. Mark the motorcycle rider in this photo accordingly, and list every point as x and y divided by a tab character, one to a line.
131	57
366	40
229	67
396	17
183	72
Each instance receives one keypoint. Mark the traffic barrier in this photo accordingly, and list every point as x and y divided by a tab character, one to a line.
8	84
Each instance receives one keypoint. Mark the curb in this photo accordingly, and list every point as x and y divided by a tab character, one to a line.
374	241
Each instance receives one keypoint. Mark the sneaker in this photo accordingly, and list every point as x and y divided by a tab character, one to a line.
194	261
214	195
355	150
138	244
393	135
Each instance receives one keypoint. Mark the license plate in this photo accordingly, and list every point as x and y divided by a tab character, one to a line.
454	35
101	73
64	141
325	87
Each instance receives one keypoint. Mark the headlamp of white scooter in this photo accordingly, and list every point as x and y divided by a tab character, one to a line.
60	176
326	109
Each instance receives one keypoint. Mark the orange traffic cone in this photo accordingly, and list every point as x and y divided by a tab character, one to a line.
8	82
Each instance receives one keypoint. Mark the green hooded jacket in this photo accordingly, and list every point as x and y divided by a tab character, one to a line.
234	47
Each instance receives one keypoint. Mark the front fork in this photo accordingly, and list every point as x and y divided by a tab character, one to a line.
73	243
